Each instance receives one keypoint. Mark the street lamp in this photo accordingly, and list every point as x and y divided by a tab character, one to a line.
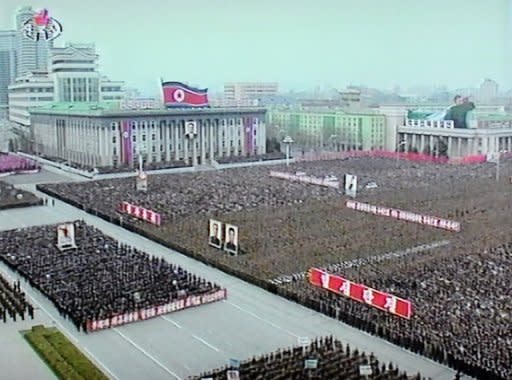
400	144
288	141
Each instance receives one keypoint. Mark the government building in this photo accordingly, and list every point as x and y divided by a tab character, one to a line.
483	136
105	135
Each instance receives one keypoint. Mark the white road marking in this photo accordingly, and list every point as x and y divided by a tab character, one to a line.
205	343
261	319
67	332
173	322
147	354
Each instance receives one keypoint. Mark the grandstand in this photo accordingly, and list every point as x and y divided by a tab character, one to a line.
14	164
288	227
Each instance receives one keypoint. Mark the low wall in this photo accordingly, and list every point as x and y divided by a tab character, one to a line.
60	166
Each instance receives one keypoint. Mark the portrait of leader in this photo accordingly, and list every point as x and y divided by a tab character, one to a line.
231	243
215	235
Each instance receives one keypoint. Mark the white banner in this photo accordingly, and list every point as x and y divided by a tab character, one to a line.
306	179
428	220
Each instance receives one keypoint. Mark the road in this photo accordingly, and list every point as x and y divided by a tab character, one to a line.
251	321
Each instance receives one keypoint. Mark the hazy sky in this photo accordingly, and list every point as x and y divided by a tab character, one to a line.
297	43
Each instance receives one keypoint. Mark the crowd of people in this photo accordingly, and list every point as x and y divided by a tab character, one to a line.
101	278
13	197
13	301
12	163
287	227
334	361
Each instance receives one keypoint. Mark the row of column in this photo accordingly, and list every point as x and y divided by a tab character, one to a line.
458	146
209	140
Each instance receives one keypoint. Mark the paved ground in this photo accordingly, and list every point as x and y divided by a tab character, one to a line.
251	321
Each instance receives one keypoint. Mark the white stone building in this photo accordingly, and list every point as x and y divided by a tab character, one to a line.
103	135
72	76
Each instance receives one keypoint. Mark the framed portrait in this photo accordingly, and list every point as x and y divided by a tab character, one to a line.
66	236
350	185
231	239
191	128
215	233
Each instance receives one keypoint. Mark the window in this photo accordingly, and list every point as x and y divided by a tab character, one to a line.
153	149
134	138
153	136
114	151
114	139
143	137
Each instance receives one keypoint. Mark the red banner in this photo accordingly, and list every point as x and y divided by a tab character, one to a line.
361	293
151	312
141	213
427	220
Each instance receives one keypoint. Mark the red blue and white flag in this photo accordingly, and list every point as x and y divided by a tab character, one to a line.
179	95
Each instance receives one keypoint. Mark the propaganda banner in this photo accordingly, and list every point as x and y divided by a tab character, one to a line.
361	293
140	213
408	216
155	311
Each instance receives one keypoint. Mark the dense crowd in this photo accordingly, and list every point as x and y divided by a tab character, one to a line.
11	163
13	302
101	278
288	227
334	361
13	197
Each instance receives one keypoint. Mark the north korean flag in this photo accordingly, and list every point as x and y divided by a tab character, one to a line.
179	95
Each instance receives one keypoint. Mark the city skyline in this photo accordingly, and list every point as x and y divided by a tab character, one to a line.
455	43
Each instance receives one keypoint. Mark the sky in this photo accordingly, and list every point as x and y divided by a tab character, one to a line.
300	44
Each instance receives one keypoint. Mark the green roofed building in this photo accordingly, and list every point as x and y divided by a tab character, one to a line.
329	129
103	134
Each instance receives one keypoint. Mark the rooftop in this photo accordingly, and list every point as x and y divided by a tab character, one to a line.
113	109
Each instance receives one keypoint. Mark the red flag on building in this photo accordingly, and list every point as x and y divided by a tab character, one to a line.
179	95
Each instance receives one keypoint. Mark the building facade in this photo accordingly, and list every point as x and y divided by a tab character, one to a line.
440	137
396	116
329	129
7	67
30	55
243	91
72	77
102	135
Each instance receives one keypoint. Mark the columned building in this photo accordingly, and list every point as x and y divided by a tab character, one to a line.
425	136
101	135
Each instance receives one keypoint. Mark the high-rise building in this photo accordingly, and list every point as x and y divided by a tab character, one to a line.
30	55
7	66
244	91
72	76
488	90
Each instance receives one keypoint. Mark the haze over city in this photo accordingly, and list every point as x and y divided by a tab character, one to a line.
298	44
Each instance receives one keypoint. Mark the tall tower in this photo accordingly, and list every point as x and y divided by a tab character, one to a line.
30	55
7	63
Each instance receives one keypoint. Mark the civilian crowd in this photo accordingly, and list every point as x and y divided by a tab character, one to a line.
100	279
13	302
287	227
13	197
334	361
11	163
